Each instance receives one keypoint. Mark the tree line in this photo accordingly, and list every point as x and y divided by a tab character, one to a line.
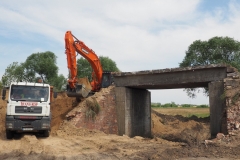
44	65
174	105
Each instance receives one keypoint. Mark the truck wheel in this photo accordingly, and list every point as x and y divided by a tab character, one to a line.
46	133
9	134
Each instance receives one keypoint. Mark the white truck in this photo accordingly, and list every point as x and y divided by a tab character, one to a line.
28	108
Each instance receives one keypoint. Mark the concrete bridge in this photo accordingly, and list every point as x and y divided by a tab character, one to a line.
134	100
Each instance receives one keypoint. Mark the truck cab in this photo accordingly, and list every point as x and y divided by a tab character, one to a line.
28	108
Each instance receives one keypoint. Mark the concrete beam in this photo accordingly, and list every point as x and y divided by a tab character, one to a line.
170	80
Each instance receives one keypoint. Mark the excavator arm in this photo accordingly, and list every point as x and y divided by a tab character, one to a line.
72	47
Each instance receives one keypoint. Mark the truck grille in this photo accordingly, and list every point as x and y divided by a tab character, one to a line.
30	110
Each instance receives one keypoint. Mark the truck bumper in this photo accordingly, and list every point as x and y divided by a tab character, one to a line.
14	123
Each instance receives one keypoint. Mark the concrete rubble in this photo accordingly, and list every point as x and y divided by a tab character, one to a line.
231	114
232	95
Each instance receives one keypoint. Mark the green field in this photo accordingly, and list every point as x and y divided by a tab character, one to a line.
186	112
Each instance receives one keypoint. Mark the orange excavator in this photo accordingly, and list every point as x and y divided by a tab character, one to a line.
81	87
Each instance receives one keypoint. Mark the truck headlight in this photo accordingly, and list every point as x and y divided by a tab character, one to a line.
9	125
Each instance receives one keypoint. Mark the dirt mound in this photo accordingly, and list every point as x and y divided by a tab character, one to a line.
59	108
97	112
177	128
74	136
192	134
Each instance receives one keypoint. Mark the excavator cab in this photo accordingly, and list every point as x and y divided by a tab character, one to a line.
106	79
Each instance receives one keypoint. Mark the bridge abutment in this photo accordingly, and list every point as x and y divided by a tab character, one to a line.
217	107
134	111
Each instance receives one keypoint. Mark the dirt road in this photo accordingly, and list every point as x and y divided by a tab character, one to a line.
174	137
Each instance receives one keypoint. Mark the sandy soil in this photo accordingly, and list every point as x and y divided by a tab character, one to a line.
173	137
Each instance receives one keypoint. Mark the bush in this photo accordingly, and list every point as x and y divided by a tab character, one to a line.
186	105
93	108
168	105
156	105
203	106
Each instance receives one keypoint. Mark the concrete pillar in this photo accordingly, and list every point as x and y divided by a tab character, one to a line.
217	107
120	93
137	105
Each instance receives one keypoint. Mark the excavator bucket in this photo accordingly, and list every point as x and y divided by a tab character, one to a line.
82	90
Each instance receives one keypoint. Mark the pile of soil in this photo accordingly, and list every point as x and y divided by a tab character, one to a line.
174	137
192	131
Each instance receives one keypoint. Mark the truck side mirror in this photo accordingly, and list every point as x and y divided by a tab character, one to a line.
54	94
3	94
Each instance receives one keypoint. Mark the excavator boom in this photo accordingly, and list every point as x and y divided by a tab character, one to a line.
71	59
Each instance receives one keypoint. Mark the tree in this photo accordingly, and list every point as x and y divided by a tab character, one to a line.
108	64
85	69
216	50
37	64
13	72
43	64
1	86
59	82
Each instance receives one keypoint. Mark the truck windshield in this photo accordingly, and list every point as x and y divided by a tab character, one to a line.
29	93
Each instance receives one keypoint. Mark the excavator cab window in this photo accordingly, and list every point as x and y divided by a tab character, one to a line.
106	79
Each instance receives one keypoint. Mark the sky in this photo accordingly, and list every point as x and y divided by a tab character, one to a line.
136	34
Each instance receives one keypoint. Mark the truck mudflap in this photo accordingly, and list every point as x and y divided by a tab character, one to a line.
28	123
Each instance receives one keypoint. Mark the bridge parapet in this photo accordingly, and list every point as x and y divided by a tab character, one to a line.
169	70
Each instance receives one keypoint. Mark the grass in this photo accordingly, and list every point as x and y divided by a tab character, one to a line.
185	112
93	108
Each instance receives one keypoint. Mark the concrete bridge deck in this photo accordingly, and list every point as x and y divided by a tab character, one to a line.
189	77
